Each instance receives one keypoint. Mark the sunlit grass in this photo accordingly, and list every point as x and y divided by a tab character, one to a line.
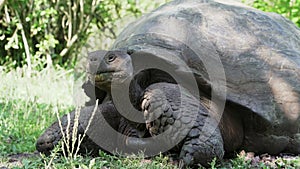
49	86
27	105
22	122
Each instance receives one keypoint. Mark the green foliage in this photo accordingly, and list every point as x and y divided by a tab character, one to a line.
103	161
21	123
40	33
288	8
241	162
28	106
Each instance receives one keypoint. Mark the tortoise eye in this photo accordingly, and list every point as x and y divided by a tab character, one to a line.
111	58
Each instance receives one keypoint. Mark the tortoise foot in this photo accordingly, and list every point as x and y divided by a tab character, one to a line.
294	145
51	137
185	122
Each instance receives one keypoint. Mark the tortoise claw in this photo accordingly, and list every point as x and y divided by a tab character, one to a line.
47	142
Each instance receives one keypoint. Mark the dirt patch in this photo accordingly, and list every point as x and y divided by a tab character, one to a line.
278	161
15	160
250	160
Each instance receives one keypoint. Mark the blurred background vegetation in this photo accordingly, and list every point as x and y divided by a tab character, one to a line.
42	33
288	8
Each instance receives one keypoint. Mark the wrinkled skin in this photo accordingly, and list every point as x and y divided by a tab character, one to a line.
105	114
168	110
53	134
260	54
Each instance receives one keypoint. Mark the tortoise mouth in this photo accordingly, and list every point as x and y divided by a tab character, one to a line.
106	72
107	76
103	76
94	73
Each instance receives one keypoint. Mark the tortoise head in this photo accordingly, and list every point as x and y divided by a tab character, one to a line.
109	68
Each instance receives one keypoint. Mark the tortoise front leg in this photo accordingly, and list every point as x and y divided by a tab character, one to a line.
171	110
53	135
200	150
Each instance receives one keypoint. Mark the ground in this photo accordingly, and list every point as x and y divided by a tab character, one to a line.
28	105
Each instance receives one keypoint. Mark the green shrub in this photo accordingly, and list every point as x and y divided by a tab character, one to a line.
288	8
39	33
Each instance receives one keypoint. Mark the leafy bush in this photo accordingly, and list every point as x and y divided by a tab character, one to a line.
288	8
39	33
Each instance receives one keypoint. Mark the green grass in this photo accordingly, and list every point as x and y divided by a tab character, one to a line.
50	86
22	122
28	105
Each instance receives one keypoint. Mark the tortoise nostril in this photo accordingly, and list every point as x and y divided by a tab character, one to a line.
93	59
40	142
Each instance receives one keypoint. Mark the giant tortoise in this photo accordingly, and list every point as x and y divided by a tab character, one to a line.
245	65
